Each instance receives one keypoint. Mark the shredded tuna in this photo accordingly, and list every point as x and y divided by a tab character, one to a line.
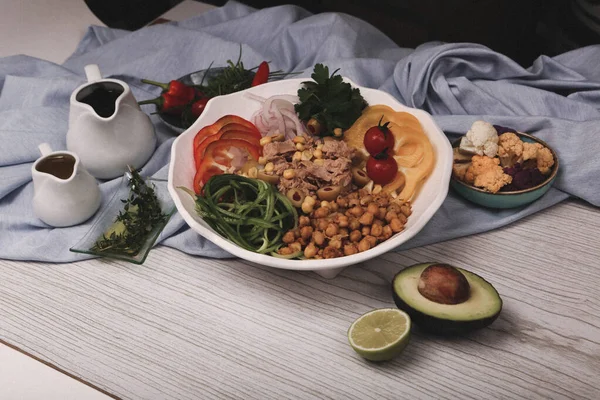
273	149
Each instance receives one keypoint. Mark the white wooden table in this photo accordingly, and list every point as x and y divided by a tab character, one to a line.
201	328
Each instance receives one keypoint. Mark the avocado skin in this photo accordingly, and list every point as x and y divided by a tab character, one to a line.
438	326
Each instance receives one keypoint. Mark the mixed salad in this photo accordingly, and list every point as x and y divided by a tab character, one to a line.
319	175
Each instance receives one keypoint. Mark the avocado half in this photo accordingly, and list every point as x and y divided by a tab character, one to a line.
481	308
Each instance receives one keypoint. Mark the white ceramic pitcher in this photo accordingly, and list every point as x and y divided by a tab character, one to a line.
107	128
65	193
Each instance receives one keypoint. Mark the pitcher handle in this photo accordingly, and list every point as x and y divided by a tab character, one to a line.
92	72
45	149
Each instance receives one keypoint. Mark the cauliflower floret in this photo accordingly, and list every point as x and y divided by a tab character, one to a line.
481	139
510	149
486	172
542	155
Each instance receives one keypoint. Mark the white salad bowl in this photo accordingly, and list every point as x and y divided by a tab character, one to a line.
424	205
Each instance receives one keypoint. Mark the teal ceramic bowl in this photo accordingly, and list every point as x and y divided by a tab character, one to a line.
506	199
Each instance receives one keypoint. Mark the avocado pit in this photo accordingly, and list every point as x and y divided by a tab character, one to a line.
444	284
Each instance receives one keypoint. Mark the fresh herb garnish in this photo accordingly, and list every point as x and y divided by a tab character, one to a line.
141	213
249	212
329	101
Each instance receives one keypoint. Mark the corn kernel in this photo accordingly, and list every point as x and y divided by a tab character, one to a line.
299	146
265	140
297	156
337	132
319	146
299	139
269	167
289	174
262	160
318	153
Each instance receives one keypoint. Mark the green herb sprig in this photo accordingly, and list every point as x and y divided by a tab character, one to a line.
141	213
249	212
330	101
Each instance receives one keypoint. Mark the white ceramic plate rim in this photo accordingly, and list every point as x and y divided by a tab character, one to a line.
443	162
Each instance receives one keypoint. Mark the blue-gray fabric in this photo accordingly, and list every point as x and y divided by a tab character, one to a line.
557	99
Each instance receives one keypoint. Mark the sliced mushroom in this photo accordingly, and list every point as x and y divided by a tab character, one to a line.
296	197
329	193
360	177
272	179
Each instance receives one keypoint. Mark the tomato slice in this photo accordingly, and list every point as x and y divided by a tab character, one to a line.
221	122
217	159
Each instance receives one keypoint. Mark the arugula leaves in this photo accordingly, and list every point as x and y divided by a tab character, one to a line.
329	100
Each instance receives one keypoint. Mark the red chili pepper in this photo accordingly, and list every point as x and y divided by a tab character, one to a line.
198	106
176	89
167	104
262	74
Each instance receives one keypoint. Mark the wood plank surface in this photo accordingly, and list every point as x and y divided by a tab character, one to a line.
182	327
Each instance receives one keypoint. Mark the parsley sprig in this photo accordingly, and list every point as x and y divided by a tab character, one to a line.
330	101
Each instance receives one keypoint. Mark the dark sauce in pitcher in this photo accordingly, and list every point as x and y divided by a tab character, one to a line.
101	96
59	165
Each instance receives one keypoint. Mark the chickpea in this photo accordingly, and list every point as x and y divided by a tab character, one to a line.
303	220
319	161
331	252
372	240
396	225
390	215
333	206
325	203
318	153
299	146
331	230
381	213
350	249
318	238
366	200
336	243
383	201
366	218
297	156
366	230
405	209
353	202
387	232
342	202
362	193
394	207
402	218
343	232
289	237
303	242
354	224
323	223
278	138
355	236
343	221
269	167
321	212
262	160
364	245
373	208
356	211
310	200
253	172
376	230
296	247
306	232
310	251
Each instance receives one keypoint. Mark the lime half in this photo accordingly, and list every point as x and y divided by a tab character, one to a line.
380	335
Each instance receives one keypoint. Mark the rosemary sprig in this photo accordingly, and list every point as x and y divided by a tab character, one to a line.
141	213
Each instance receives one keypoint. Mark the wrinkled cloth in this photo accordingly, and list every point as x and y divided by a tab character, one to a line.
556	99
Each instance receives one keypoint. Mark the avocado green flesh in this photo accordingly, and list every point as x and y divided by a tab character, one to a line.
481	309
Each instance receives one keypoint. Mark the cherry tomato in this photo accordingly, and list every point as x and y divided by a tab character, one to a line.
382	170
379	139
